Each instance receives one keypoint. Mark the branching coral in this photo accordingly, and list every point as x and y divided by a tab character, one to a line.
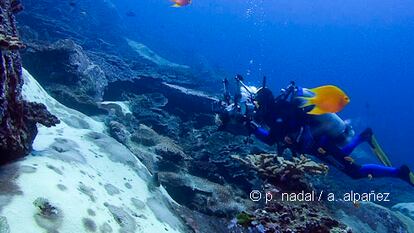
284	173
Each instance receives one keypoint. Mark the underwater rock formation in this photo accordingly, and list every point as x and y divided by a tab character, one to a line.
66	72
18	117
153	113
405	208
78	21
119	58
78	179
150	55
372	218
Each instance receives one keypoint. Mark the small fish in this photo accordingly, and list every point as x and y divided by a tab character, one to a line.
327	99
181	3
349	159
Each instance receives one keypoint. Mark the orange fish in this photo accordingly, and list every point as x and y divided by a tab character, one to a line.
181	3
326	99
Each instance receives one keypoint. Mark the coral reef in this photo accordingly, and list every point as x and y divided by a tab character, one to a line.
287	174
282	175
209	175
18	118
158	123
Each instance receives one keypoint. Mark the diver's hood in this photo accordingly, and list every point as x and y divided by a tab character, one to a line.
264	98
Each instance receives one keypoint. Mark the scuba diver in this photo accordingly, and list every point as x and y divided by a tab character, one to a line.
295	120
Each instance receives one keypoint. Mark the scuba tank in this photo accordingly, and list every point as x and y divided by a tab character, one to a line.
330	125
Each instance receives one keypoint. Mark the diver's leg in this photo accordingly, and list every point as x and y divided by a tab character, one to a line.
375	170
365	136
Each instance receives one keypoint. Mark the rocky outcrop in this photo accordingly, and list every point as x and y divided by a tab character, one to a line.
162	105
372	218
18	118
202	195
66	71
78	179
46	20
119	58
405	208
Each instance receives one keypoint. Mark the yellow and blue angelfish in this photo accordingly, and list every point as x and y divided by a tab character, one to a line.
326	99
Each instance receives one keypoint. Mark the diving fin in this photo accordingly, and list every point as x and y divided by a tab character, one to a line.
412	178
406	174
376	148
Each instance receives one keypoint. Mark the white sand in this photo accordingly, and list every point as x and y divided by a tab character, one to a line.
83	161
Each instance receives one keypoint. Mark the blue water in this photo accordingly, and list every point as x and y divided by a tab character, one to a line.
364	46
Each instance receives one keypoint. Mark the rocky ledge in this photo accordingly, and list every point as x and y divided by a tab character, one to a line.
18	117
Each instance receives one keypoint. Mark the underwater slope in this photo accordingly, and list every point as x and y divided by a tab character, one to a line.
78	179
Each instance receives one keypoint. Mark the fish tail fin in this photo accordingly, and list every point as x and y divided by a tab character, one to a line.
307	101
